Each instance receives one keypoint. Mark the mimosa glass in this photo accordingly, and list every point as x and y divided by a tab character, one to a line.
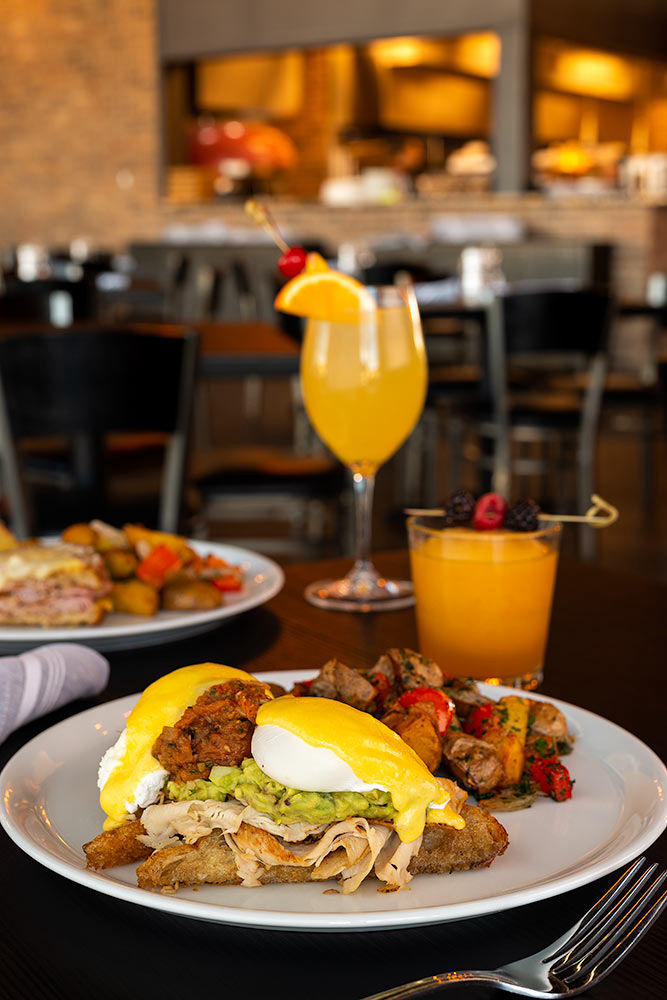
363	377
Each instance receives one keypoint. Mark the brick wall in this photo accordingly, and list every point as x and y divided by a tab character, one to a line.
78	113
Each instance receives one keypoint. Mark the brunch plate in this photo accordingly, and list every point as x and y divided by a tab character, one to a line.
262	579
50	808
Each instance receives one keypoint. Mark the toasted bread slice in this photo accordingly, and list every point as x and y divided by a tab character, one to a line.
116	847
443	850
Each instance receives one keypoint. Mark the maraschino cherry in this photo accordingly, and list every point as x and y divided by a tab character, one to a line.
292	259
292	262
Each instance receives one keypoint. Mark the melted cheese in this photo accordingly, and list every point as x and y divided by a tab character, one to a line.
37	562
376	756
162	704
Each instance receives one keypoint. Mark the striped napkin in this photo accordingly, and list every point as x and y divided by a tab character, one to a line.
45	678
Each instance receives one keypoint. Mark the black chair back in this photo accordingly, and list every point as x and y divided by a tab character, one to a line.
548	330
83	385
555	321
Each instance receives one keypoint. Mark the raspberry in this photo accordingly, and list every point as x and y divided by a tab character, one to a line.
490	512
523	516
459	508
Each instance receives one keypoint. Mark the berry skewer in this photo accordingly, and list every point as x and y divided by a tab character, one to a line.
490	512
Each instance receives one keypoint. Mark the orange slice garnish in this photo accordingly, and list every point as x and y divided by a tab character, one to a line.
320	292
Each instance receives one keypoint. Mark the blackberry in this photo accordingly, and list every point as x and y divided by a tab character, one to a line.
523	516
459	508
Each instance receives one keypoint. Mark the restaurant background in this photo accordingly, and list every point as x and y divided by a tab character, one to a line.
92	95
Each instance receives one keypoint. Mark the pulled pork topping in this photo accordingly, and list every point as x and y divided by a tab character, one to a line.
216	730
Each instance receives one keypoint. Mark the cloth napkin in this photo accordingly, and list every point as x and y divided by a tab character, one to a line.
45	678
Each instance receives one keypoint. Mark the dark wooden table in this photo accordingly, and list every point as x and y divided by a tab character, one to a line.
62	940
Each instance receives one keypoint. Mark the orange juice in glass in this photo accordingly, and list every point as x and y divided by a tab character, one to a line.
483	598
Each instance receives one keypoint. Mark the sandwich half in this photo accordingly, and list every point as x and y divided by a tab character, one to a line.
216	781
53	585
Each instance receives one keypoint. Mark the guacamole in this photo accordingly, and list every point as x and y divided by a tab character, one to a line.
284	805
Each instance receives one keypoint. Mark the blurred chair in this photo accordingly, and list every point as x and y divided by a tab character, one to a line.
84	391
631	404
266	487
270	478
543	381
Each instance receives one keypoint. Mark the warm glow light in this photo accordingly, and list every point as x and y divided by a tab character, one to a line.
478	54
233	130
592	73
405	51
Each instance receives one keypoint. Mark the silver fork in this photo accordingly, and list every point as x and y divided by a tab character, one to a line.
581	957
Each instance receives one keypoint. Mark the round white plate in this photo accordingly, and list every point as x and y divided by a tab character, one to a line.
262	579
617	810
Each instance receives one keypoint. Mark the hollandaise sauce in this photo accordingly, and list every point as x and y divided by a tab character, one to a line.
369	755
130	763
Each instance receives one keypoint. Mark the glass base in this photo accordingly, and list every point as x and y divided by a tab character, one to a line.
527	682
362	590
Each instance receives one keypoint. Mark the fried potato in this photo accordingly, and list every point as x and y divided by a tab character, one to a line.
121	563
144	540
420	731
7	539
80	534
134	597
190	595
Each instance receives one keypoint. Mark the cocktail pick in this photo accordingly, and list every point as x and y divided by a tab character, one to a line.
261	215
599	515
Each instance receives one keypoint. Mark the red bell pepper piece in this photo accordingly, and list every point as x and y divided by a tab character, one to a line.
552	777
227	582
444	706
301	688
480	720
382	686
158	563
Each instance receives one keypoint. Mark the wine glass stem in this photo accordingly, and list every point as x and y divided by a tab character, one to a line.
363	487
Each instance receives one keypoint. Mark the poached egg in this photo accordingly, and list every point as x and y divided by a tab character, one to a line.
129	777
320	745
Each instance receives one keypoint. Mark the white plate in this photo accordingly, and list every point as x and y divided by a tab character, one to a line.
262	579
618	809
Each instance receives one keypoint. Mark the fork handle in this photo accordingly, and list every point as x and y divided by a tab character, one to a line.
440	981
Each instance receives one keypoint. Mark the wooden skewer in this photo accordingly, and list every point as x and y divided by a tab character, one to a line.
261	215
600	515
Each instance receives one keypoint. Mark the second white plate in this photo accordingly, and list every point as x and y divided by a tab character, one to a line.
262	579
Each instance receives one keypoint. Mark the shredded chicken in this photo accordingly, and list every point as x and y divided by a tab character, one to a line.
351	848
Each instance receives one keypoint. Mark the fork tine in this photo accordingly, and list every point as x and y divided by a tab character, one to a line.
597	912
608	951
595	930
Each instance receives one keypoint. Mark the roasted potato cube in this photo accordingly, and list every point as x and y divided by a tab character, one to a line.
134	597
7	539
120	563
419	729
513	712
143	540
80	534
190	595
